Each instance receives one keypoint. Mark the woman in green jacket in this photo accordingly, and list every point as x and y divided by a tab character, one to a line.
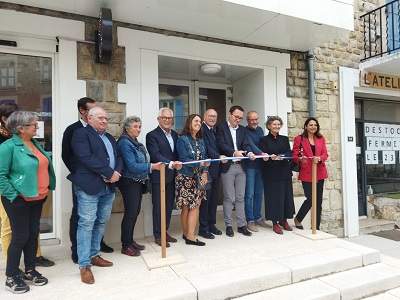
26	175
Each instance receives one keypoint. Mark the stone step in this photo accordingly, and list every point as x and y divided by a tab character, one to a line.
352	284
389	295
375	225
270	274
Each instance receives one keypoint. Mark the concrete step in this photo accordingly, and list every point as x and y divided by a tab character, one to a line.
270	274
352	284
375	225
389	295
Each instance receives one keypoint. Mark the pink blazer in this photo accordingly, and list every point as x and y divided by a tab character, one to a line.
305	173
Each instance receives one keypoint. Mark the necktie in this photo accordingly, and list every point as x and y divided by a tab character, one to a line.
213	132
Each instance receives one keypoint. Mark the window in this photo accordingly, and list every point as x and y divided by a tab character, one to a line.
7	72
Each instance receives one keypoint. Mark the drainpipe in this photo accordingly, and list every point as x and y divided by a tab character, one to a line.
311	92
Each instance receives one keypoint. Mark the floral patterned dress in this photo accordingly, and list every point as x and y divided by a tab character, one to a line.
186	191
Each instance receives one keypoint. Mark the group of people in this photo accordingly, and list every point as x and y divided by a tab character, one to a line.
98	164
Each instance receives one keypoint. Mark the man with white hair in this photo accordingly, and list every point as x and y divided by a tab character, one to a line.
98	166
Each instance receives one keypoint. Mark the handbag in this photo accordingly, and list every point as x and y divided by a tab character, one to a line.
207	185
146	188
293	166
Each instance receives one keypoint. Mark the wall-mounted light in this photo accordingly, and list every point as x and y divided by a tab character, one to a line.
210	68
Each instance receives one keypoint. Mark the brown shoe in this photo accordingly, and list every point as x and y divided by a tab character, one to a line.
100	262
262	224
170	239
285	225
158	242
130	251
277	229
87	275
252	227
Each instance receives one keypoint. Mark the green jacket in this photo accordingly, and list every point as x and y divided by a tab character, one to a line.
18	169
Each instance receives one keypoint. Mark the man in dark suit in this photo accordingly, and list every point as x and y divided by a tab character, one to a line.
98	166
208	209
161	145
67	155
232	142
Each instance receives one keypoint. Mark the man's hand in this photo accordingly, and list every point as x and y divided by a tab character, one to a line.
251	155
238	153
205	164
223	161
115	177
155	166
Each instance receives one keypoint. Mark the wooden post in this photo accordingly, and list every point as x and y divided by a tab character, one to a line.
162	203
314	199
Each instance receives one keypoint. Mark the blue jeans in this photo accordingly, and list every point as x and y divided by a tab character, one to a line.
253	194
94	211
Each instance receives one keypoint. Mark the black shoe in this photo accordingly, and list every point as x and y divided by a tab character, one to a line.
74	259
43	262
105	248
195	243
207	235
243	230
214	230
184	237
229	231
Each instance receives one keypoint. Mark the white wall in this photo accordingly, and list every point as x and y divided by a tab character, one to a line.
141	89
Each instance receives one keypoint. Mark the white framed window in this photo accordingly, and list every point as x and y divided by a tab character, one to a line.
8	72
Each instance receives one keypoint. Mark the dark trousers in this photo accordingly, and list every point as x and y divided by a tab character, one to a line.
73	225
132	197
24	219
169	203
307	187
208	209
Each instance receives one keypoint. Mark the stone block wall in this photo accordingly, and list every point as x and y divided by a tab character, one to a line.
102	83
342	52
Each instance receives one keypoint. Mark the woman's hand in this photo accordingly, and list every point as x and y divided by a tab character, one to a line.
265	158
276	157
302	159
316	159
204	178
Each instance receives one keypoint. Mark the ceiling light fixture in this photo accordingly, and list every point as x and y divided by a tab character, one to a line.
210	68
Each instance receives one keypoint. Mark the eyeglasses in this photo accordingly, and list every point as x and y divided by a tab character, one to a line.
237	117
166	118
34	124
212	116
102	118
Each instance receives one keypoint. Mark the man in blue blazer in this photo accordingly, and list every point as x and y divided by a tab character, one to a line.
208	209
98	166
161	145
232	142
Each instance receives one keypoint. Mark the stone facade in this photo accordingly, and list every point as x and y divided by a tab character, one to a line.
341	52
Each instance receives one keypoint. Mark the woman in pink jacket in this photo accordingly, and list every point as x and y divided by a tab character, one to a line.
310	148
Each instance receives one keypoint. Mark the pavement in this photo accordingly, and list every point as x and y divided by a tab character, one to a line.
130	277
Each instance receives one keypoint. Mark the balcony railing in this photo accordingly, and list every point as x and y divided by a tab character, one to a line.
381	28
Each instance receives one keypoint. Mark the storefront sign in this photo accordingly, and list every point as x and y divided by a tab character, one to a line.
380	81
384	138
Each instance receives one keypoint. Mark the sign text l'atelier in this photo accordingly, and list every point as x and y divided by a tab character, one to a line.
380	81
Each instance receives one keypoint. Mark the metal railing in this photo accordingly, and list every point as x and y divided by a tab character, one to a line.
381	30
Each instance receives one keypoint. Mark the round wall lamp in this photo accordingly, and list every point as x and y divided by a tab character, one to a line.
210	68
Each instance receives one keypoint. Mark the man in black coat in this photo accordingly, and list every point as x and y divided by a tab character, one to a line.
208	209
161	145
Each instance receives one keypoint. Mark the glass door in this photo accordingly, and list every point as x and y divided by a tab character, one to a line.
27	80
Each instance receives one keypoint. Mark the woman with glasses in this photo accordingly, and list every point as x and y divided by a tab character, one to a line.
132	181
277	176
26	175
